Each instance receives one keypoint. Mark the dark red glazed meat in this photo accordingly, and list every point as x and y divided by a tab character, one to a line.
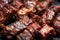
29	19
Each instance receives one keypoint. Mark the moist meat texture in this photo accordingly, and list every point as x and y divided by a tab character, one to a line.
29	20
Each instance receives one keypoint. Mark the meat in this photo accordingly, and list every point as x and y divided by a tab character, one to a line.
13	28
15	2
29	19
30	5
33	27
44	4
26	22
2	18
56	22
22	11
26	35
56	8
48	16
9	8
46	31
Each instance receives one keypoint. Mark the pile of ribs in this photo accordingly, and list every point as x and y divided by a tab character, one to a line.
29	19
